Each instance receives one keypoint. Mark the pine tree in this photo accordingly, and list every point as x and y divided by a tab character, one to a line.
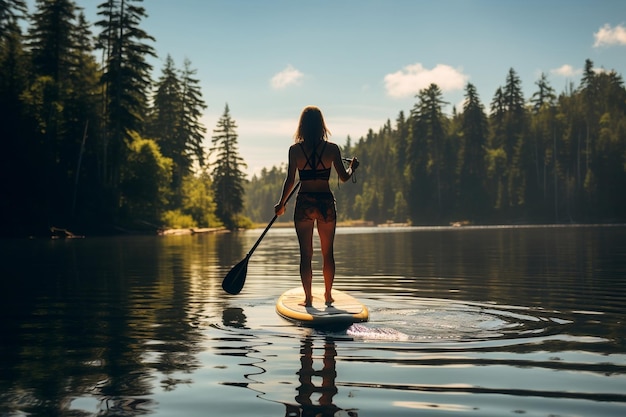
472	194
398	138
126	81
544	95
175	122
229	178
427	146
508	126
13	81
50	36
82	118
164	125
608	150
51	105
543	139
11	11
193	106
12	70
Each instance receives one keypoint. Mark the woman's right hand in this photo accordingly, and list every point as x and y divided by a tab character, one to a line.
279	209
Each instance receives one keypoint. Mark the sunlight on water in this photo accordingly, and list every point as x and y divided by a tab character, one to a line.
478	321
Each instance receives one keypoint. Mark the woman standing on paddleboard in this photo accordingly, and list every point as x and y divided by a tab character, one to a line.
313	156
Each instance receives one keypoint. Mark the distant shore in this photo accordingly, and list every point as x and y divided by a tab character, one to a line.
59	233
191	231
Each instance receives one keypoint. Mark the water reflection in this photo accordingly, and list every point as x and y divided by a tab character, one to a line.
317	385
488	318
316	375
234	317
95	323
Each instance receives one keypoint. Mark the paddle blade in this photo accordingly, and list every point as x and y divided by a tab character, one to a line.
233	281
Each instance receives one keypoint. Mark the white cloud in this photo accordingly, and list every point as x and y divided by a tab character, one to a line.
288	76
566	71
413	78
607	36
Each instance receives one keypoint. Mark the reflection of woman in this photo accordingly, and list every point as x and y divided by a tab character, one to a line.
328	374
327	389
313	155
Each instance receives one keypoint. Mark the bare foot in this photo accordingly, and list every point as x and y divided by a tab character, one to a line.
306	303
329	300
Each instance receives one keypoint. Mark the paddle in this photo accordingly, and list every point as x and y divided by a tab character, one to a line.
233	281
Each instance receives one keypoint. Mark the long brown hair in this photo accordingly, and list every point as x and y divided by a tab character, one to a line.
311	126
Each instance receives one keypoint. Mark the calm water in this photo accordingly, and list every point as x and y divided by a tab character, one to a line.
464	322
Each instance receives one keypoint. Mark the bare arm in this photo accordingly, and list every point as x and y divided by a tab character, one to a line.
290	179
344	174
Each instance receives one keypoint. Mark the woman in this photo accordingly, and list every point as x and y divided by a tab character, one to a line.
313	155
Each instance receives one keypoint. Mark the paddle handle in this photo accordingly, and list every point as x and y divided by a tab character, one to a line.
271	223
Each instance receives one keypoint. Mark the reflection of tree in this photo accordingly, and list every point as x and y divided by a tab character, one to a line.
307	389
231	249
77	323
174	316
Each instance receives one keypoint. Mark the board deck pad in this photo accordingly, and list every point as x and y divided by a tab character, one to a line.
344	310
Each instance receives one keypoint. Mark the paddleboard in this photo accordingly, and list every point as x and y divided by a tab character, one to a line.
344	310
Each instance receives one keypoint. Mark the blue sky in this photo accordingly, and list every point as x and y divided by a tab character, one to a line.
363	61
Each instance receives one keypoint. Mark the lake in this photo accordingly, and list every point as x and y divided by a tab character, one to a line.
464	321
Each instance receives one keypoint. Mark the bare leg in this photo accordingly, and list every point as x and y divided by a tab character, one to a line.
304	230
326	231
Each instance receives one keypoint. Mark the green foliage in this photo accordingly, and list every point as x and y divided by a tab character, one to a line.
262	193
198	200
145	181
176	219
198	206
240	221
74	130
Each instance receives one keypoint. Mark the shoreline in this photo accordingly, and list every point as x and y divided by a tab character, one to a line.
64	234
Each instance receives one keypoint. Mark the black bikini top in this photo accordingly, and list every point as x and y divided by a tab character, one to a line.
314	173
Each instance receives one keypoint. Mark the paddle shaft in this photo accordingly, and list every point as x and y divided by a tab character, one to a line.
271	223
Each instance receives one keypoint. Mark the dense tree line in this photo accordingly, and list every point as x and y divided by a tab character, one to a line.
548	159
90	141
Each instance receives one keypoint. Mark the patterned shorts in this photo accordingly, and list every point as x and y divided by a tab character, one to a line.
315	206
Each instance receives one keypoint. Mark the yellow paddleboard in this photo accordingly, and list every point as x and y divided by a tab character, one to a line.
344	311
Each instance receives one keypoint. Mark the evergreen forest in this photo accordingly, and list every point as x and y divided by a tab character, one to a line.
94	142
550	158
91	142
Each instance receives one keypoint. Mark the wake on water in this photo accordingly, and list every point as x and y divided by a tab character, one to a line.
378	333
433	320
